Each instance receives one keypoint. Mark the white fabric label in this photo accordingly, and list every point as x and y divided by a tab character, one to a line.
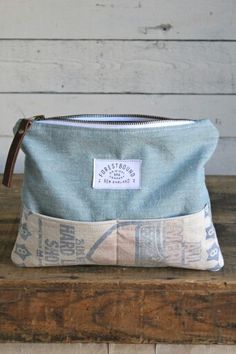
117	174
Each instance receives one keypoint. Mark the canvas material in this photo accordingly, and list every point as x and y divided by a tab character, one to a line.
58	184
59	163
185	241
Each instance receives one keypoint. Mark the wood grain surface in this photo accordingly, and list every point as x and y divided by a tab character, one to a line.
119	304
172	57
100	66
78	19
111	348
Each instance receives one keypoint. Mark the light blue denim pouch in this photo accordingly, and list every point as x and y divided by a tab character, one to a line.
123	190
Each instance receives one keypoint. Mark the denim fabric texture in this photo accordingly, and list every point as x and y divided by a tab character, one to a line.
59	170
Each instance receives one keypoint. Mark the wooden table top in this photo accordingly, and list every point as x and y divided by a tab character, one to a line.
120	304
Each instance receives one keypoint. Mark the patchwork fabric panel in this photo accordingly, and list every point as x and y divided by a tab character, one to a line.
187	241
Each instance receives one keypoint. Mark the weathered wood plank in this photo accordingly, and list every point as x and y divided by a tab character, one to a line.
118	304
221	109
194	349
116	313
132	349
88	348
223	159
222	186
120	66
221	163
55	348
156	19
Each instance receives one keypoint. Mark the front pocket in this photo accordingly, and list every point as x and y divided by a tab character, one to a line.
187	241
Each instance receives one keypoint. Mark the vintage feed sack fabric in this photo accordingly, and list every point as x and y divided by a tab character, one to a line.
186	241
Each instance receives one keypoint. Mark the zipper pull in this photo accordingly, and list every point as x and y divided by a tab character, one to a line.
24	126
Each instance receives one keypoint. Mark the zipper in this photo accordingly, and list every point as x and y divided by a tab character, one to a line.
114	121
91	120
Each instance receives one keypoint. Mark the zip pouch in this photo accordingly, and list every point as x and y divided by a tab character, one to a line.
124	190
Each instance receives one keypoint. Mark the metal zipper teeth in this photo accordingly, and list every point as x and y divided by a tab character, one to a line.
153	119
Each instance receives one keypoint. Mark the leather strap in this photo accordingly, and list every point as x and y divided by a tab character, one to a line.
24	125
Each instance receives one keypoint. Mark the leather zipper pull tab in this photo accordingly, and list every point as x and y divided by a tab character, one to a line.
24	126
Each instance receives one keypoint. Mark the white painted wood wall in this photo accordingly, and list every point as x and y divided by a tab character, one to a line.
175	58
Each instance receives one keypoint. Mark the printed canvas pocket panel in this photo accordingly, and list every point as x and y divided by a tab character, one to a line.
187	241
